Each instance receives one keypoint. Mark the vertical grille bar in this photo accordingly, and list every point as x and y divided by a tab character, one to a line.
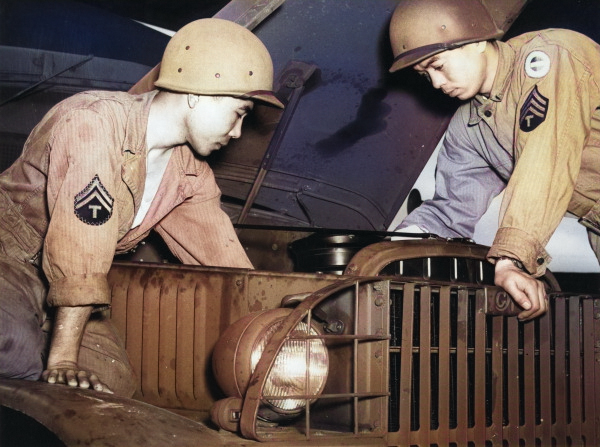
594	419
444	367
498	382
513	383
471	379
546	380
425	367
575	397
561	397
150	342
406	364
589	364
479	416
529	379
462	390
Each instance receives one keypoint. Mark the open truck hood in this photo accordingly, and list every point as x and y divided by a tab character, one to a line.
350	147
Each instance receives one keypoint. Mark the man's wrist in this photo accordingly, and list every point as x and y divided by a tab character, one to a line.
518	264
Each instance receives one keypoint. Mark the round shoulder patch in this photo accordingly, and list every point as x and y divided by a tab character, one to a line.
537	64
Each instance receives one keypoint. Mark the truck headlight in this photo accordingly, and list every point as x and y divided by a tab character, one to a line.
300	367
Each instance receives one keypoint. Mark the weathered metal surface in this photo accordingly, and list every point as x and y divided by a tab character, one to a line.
83	417
499	302
373	259
496	381
456	374
269	249
248	13
293	80
352	123
363	382
171	317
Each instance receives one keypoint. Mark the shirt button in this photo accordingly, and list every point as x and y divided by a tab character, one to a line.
540	261
488	113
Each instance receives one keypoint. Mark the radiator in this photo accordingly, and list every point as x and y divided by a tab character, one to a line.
459	376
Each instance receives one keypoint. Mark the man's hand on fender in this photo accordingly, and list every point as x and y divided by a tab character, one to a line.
69	374
62	360
526	291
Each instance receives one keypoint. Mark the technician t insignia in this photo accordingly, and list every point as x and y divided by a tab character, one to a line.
94	205
533	112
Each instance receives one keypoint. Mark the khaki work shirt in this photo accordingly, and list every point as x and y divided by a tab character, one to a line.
75	190
537	136
544	104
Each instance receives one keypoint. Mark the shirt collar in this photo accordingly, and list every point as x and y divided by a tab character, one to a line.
137	122
480	103
135	134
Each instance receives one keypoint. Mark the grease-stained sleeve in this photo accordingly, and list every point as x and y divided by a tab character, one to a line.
83	172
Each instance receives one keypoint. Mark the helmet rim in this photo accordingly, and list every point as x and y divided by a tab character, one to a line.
420	29
216	57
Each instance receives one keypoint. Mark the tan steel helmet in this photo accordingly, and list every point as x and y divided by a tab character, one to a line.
217	57
421	28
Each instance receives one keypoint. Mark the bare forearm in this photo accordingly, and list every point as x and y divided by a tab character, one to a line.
62	367
67	333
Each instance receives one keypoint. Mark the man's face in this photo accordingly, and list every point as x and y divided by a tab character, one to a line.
213	120
459	73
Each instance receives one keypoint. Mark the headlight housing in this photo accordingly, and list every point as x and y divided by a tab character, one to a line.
318	369
299	370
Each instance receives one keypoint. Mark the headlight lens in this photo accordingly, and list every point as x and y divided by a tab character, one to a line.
300	368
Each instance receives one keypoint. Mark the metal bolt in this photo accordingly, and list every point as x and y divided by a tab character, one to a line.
335	327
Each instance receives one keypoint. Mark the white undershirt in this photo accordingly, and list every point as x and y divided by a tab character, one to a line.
156	165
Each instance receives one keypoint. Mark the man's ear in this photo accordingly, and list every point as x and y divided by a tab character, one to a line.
192	100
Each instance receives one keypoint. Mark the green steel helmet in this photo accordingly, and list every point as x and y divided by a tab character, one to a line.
218	57
421	28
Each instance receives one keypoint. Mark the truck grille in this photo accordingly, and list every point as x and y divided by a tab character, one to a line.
461	377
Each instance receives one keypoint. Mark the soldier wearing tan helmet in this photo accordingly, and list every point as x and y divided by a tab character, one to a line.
103	169
529	127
